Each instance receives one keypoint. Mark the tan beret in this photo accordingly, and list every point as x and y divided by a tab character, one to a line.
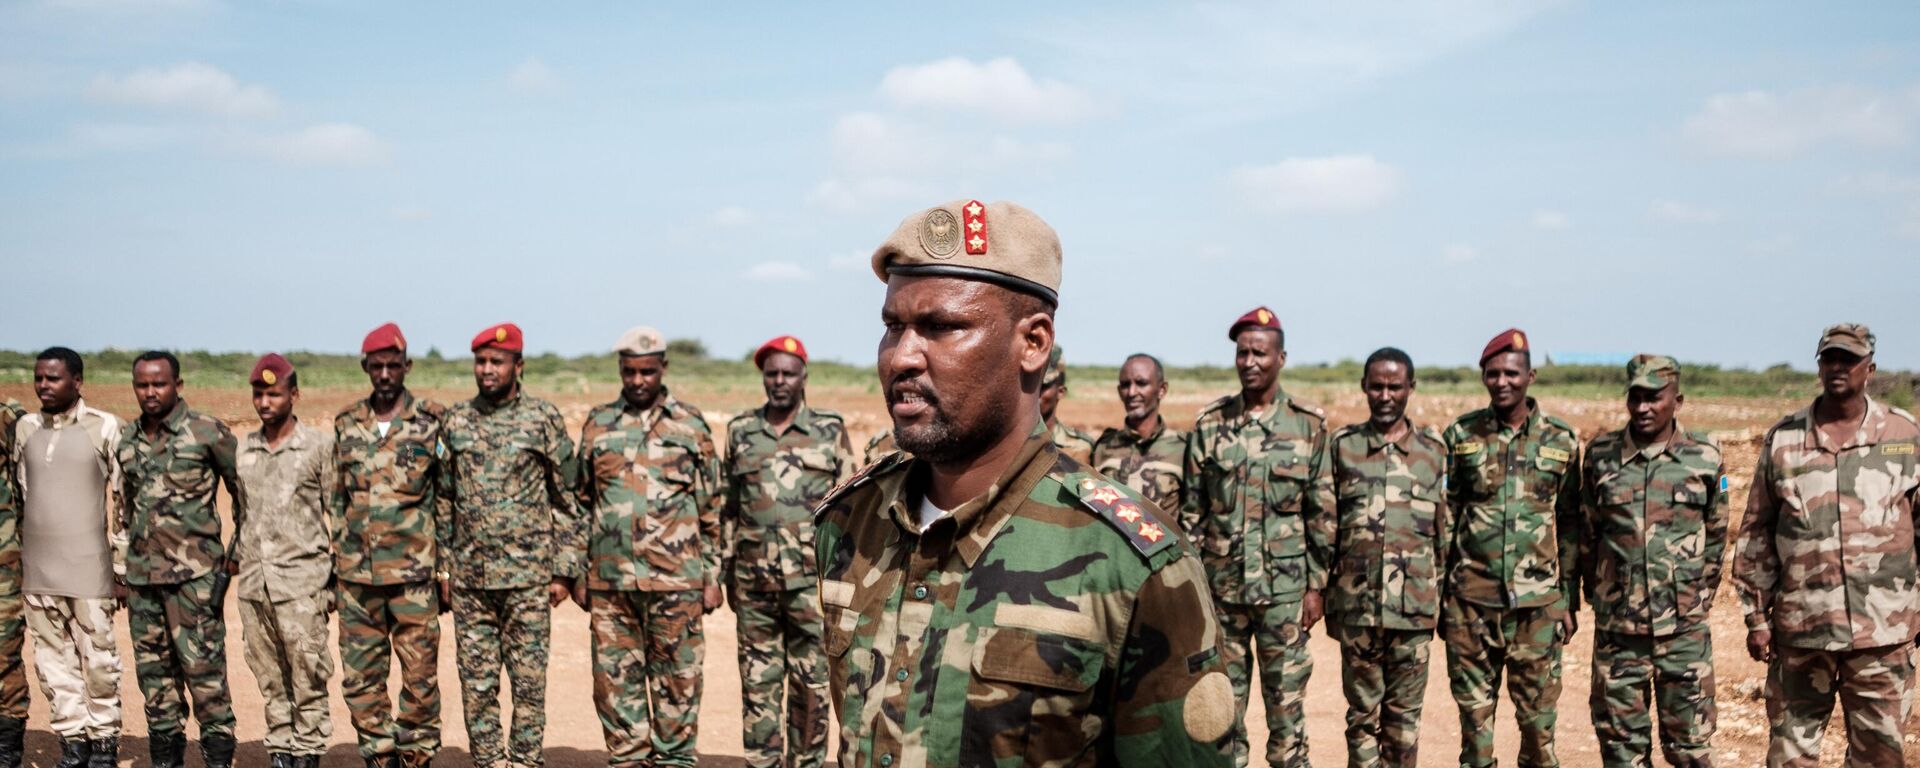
1000	243
641	340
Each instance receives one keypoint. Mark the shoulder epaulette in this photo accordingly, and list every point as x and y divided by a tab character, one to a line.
1349	429
885	464
819	413
429	407
1310	410
740	417
1902	413
1216	406
1124	512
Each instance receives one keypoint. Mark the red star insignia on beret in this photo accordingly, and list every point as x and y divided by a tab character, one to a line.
976	220
1105	495
1127	511
1151	532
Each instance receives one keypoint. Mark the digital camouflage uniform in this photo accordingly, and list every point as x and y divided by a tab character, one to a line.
774	481
655	543
13	625
176	567
1513	573
386	541
1073	442
1260	510
1383	595
1826	563
1056	619
1656	526
1153	465
510	527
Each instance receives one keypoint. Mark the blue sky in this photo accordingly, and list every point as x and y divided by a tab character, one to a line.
1716	181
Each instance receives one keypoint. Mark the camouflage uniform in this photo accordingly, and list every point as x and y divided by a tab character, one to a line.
1513	573
1383	596
176	567
1656	525
655	543
878	448
1827	564
13	626
509	528
385	547
1073	442
773	484
1152	465
1260	510
975	643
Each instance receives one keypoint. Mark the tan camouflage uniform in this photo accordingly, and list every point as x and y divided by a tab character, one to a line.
1152	465
13	630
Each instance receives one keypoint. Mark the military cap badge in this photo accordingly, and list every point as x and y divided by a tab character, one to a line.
940	234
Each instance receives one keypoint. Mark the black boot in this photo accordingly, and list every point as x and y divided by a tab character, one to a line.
167	750
106	753
74	753
280	760
216	750
13	734
306	761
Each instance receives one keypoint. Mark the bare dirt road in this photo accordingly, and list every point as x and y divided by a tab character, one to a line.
573	731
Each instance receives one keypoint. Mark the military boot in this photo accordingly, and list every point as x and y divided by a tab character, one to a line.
306	761
383	761
167	750
280	760
105	754
415	758
74	753
13	734
216	750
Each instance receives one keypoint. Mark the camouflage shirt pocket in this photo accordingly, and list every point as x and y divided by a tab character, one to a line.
1024	679
1287	485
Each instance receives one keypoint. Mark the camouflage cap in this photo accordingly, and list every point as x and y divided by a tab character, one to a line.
1847	337
1652	371
1000	243
1056	373
640	341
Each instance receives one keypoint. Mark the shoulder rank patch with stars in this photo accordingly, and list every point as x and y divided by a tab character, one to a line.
885	464
1124	513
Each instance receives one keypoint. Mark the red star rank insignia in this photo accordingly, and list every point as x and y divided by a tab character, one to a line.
975	219
1127	512
1151	532
1105	495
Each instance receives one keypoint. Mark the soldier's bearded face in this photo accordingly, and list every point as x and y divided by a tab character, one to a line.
1649	411
1388	388
1258	357
950	366
1140	389
1843	374
1507	376
273	403
785	380
641	379
496	372
387	371
156	386
56	387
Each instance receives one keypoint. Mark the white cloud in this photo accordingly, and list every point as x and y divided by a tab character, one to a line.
327	144
1337	184
532	75
1768	123
731	216
188	86
1459	253
1000	88
778	272
1682	213
1550	221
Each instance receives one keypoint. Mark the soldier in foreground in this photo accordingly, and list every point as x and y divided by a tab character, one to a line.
173	461
1513	577
956	633
653	563
1656	525
1053	387
1260	509
71	550
782	459
13	631
1826	568
515	546
1144	454
387	557
285	567
1383	601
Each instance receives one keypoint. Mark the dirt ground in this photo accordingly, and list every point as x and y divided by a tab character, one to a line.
573	732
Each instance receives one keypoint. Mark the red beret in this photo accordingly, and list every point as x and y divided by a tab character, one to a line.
272	369
384	337
787	344
503	336
1509	339
1260	317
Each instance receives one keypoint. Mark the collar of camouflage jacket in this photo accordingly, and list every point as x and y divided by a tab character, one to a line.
302	436
174	421
1872	429
802	419
1377	439
65	418
1243	415
1535	418
977	521
1634	450
363	412
1133	438
484	405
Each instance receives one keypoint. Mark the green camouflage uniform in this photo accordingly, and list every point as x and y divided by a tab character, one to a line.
1056	619
1152	465
1073	442
655	543
773	483
1260	510
1826	563
878	448
385	546
510	527
13	625
1383	596
177	566
1513	574
1656	526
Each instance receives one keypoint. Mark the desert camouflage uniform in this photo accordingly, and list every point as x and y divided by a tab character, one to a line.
510	526
1073	442
13	626
1152	465
176	566
386	542
656	542
773	484
1656	526
1513	573
1260	510
1827	565
1383	595
878	448
286	566
1056	619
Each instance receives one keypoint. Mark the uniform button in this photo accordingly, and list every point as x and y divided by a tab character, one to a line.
920	592
886	760
900	675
